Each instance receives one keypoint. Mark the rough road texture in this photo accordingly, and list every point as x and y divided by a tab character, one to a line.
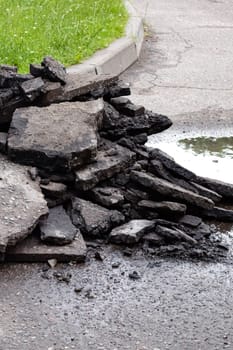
175	305
185	70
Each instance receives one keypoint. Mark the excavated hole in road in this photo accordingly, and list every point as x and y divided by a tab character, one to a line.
209	157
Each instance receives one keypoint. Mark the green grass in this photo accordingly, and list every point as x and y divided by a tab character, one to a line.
68	30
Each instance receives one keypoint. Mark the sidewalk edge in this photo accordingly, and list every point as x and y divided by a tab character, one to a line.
119	55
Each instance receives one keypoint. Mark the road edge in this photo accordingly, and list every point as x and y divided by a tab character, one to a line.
119	55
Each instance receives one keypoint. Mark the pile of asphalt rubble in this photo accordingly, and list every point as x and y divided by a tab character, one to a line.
75	169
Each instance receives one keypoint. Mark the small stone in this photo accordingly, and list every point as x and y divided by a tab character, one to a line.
134	275
52	263
92	244
33	173
131	232
78	289
37	70
99	256
116	264
90	295
32	88
54	70
63	277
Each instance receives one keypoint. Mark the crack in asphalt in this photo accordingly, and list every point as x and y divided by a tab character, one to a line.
190	87
187	42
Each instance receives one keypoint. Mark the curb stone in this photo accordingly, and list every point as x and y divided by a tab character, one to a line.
119	55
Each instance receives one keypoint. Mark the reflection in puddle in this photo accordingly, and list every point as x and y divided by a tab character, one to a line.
209	157
205	156
209	146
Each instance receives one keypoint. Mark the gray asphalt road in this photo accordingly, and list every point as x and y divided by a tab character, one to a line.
185	72
175	305
187	62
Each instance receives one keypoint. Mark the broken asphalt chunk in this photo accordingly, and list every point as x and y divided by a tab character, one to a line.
54	70
32	249
92	219
38	136
22	204
57	228
108	162
170	190
131	232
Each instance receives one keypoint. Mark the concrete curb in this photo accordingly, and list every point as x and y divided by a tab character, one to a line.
119	55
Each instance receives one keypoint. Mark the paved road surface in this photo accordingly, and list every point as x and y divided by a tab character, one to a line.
186	71
187	63
186	67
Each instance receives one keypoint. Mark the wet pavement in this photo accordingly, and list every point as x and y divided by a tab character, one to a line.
174	305
185	72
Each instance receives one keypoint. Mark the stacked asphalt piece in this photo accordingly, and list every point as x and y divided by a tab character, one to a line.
74	167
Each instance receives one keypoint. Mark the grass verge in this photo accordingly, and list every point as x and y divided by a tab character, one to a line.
68	30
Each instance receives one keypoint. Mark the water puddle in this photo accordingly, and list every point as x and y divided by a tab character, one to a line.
205	156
